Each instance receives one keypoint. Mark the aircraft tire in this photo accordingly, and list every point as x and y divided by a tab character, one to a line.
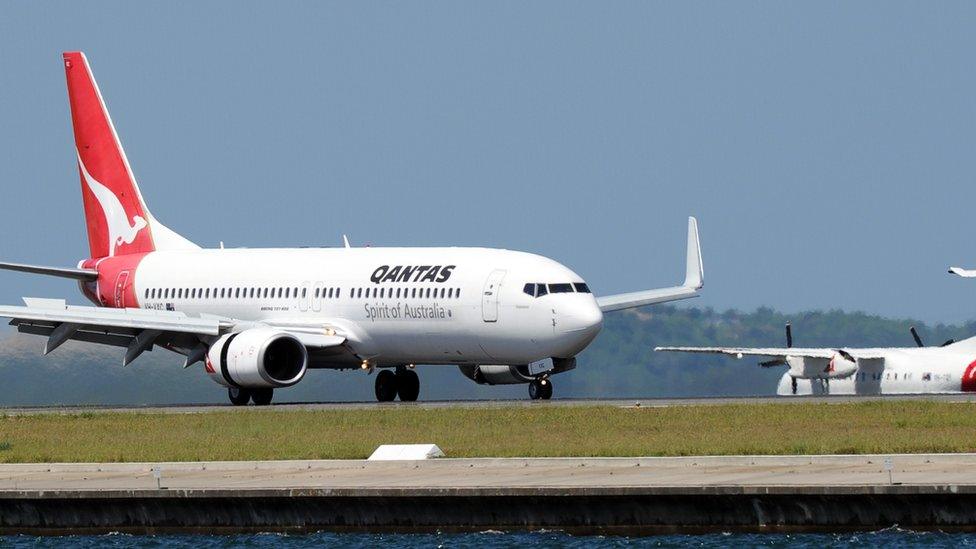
535	389
408	385
386	386
262	397
546	389
239	396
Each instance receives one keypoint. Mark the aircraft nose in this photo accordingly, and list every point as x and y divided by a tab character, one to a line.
583	319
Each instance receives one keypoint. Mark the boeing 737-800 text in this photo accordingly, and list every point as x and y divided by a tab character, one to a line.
260	318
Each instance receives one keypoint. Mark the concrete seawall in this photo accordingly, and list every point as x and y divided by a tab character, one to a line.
610	495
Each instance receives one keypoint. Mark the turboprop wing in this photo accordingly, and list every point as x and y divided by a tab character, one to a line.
694	280
780	352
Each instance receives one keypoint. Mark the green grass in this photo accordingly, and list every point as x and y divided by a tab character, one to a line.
868	427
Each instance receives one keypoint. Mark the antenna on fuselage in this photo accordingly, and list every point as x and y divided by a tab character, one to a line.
345	241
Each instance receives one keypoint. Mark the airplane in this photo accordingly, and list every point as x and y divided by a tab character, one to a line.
258	319
949	368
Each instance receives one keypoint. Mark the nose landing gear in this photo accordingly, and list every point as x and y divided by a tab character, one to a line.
540	389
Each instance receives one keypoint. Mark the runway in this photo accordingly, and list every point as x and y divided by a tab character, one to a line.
620	402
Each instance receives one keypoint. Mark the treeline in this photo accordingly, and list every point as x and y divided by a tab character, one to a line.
620	363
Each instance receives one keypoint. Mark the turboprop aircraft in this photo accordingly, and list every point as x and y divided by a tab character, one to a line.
260	318
949	368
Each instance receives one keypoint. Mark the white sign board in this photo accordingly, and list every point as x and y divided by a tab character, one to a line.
406	452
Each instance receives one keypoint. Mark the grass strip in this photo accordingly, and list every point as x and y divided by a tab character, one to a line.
533	431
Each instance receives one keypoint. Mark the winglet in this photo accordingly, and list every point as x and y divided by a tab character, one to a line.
694	272
694	279
965	273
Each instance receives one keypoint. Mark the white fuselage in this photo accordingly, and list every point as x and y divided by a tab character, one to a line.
949	369
394	305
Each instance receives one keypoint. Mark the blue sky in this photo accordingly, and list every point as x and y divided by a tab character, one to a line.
827	148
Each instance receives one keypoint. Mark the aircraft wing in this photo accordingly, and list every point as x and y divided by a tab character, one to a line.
781	352
135	329
694	280
965	273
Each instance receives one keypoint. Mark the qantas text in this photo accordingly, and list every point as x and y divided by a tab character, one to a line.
409	273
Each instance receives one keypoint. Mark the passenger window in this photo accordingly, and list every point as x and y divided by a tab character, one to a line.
382	292
304	290
317	293
581	287
457	294
560	288
237	293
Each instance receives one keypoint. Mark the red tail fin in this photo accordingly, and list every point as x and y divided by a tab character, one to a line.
118	222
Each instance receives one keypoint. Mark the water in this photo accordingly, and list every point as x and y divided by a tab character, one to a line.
891	538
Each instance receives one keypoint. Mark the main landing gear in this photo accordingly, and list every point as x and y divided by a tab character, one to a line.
239	396
402	382
540	389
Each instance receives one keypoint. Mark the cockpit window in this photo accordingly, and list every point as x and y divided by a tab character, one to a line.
529	289
581	287
560	288
540	290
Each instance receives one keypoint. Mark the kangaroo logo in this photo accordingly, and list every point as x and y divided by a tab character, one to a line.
117	221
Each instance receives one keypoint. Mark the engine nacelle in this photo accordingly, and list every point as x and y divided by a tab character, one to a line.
257	358
841	365
496	374
503	374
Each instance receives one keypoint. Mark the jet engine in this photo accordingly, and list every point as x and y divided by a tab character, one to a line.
841	365
257	358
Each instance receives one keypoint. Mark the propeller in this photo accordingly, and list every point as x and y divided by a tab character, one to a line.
789	345
918	340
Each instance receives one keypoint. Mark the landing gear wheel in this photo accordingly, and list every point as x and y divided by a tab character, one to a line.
408	385
540	389
386	386
238	396
262	397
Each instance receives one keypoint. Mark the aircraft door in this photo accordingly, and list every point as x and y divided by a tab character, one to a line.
489	297
317	298
304	297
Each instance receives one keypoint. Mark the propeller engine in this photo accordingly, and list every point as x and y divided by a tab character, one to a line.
842	364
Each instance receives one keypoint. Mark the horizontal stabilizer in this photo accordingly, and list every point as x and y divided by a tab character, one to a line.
76	274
